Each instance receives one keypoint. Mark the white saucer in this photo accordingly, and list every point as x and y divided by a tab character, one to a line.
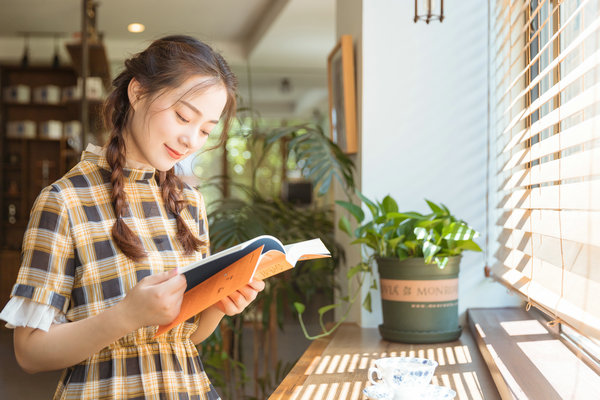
419	392
378	391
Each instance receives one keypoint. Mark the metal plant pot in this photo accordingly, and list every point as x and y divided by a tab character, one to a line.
419	301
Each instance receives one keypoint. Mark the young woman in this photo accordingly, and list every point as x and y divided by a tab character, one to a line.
101	252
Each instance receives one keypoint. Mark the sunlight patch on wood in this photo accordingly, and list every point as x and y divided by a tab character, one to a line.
473	385
344	364
450	356
353	363
440	356
357	391
510	380
461	357
479	330
296	392
345	390
315	361
321	391
323	365
333	364
458	386
526	327
364	362
331	395
308	392
570	377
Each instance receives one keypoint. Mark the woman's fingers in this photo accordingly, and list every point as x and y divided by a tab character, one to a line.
175	284
248	292
227	306
237	301
156	299
161	277
257	285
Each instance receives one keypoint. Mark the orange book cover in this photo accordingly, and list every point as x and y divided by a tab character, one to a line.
212	279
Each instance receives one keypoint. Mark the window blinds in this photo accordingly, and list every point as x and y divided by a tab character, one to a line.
545	144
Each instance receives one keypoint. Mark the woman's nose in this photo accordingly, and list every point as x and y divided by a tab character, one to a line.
187	139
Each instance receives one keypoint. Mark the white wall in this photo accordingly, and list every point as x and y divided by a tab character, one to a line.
423	120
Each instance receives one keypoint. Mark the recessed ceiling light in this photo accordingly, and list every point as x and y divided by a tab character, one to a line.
136	28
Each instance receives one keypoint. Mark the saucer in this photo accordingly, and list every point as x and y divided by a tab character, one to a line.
378	391
413	392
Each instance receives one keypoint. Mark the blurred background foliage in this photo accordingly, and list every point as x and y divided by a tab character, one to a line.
244	186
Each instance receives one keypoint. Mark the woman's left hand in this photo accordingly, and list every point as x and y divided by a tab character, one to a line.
236	302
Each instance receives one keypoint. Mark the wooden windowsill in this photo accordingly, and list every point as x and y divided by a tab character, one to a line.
336	367
527	360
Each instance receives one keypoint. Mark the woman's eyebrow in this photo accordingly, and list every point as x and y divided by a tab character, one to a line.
194	109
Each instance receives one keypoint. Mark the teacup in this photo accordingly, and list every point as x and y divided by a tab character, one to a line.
402	372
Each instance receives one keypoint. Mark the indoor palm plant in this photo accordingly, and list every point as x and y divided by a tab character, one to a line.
418	258
250	210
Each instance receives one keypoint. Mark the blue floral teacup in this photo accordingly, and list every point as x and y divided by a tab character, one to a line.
398	372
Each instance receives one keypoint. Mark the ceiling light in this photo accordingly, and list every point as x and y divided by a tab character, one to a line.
136	28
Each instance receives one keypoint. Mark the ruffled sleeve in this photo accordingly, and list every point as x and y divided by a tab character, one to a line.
45	281
20	311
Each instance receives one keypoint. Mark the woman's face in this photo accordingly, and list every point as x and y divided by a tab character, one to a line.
166	129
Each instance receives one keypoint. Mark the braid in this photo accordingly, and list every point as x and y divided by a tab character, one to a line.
171	188
124	237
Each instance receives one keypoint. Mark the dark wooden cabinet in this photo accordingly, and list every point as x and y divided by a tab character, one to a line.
32	161
29	164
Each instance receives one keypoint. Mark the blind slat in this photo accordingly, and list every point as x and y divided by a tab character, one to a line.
576	226
582	164
570	196
551	66
575	257
577	41
580	134
578	103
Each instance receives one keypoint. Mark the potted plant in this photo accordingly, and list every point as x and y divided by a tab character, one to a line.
418	257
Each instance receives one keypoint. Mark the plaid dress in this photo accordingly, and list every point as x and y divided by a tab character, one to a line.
71	262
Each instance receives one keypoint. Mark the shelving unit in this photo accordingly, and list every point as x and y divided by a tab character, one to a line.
30	164
27	165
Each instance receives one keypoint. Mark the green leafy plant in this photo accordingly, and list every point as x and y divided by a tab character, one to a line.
391	233
435	237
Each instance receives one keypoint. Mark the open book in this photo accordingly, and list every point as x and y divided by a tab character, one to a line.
213	278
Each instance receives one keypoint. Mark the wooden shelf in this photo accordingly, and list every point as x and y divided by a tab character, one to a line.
29	105
27	153
338	366
98	61
35	139
527	359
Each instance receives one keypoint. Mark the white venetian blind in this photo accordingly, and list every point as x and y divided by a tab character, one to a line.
545	128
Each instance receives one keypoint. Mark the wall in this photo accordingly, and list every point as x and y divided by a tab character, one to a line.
423	119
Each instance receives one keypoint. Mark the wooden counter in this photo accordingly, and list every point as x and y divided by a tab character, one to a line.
336	367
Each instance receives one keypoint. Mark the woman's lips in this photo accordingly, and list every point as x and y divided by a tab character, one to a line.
174	154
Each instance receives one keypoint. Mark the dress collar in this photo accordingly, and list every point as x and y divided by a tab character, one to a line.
96	155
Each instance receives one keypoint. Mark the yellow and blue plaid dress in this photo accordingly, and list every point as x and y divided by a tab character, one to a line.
71	262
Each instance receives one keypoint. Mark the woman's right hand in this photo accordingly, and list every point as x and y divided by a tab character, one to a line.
155	300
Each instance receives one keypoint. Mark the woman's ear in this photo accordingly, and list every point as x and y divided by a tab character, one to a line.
134	92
